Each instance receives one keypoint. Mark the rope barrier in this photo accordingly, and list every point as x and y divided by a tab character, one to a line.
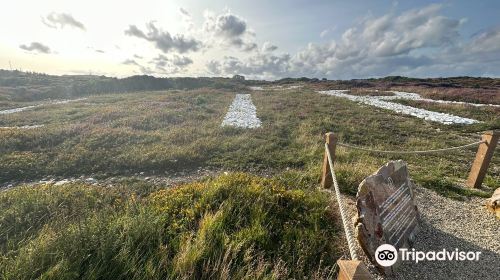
343	215
410	152
347	228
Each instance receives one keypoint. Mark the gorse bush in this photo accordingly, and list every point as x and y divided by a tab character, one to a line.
234	226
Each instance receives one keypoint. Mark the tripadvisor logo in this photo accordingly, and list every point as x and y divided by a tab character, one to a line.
387	255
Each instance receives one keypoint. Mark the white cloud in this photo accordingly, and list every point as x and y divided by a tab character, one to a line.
187	19
327	31
36	46
268	47
418	42
230	30
163	40
55	20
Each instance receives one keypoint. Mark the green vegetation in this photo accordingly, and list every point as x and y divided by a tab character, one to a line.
165	131
23	86
233	227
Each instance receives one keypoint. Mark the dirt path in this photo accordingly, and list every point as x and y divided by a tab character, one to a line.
449	224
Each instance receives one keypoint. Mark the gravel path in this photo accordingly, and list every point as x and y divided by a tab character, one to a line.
242	113
381	102
449	224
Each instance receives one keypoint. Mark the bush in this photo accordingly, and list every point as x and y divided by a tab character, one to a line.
234	226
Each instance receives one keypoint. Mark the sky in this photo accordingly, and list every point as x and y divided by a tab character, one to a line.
258	39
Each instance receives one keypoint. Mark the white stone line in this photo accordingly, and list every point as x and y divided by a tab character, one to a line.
242	113
256	88
399	108
278	87
22	127
20	109
417	97
15	110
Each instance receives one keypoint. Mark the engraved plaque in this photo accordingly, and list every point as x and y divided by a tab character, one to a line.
386	211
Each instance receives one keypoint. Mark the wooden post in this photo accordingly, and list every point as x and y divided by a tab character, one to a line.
483	158
349	270
326	177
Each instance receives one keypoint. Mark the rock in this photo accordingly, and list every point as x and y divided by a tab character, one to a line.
386	211
493	203
242	113
62	182
383	102
91	180
46	181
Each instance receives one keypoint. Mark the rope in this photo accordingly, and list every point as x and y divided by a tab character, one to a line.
411	152
347	228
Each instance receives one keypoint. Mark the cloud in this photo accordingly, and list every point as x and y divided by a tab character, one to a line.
261	66
163	40
61	20
325	32
36	46
184	12
227	25
162	64
181	60
268	47
162	61
380	46
136	32
417	42
187	19
230	29
485	41
130	62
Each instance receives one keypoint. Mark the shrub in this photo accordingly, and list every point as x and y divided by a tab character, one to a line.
234	226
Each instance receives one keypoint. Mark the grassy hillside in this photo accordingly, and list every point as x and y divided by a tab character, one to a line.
166	131
24	86
233	227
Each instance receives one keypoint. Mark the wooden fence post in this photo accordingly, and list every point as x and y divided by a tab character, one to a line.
483	158
350	270
326	177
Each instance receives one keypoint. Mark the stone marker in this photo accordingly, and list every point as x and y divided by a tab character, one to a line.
386	211
493	203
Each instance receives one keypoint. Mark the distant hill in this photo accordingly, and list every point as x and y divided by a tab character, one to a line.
30	86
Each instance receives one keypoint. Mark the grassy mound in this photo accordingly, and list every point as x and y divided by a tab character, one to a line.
234	226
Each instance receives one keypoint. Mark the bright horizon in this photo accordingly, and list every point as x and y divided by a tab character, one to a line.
261	40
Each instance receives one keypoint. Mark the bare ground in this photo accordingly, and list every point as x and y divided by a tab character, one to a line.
449	224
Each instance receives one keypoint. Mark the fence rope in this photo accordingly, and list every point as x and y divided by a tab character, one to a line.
343	215
410	152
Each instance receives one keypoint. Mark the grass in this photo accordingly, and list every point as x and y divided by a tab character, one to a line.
233	227
166	131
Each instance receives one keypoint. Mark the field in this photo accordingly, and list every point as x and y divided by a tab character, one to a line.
265	219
